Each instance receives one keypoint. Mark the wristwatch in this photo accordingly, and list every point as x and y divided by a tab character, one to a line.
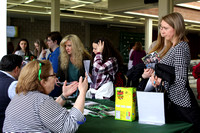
63	98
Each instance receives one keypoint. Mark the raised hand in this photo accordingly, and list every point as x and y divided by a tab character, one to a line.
100	46
43	53
70	89
83	84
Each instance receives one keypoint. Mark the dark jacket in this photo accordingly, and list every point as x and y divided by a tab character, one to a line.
5	82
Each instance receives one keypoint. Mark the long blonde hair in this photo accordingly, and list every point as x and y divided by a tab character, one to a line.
28	78
160	44
176	21
78	51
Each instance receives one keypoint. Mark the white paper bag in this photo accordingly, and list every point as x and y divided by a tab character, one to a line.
151	107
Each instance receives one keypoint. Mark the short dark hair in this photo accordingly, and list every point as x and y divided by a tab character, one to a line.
10	62
55	35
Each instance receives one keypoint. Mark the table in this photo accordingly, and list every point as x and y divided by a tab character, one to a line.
110	125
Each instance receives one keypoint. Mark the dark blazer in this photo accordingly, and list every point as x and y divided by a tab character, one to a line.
5	82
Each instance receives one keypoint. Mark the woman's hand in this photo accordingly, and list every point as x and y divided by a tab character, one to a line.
83	84
70	89
147	73
43	53
100	46
155	80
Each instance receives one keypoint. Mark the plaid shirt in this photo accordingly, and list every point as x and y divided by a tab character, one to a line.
103	72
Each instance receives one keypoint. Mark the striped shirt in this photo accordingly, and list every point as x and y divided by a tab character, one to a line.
179	57
37	112
103	72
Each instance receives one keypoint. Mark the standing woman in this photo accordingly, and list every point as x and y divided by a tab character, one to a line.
107	62
72	55
183	103
137	54
23	50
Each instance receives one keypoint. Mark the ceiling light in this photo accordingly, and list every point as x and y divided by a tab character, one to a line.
142	18
189	6
107	17
142	14
85	2
131	22
122	16
193	25
28	1
37	12
74	16
193	29
77	6
191	21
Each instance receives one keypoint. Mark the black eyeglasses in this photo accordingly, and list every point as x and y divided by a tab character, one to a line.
53	75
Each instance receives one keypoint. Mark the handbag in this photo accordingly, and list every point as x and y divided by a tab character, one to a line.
166	72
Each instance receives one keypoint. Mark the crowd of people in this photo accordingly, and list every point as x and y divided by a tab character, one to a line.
57	68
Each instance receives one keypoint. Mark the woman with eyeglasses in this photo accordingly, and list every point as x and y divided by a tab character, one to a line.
183	105
32	110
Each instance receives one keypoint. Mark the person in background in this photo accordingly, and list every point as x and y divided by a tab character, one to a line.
196	74
137	54
39	46
32	110
107	62
136	58
183	105
71	60
10	48
53	41
72	55
23	50
10	67
130	62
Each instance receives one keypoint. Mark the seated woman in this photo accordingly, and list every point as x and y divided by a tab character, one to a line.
105	66
72	55
32	110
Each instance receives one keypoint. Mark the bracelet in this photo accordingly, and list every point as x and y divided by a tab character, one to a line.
63	98
81	122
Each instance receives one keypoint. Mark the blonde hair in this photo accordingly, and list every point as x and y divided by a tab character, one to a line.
78	51
176	21
160	44
28	78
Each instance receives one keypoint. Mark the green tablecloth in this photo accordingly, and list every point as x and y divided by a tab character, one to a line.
110	125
